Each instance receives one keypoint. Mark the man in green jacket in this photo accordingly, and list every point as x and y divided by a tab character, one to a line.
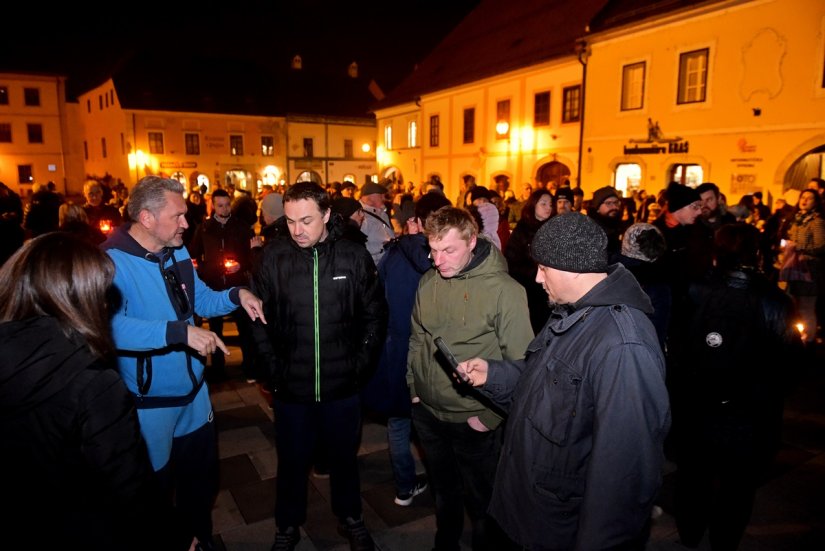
479	310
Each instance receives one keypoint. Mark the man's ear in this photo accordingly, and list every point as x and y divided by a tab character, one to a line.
327	214
145	218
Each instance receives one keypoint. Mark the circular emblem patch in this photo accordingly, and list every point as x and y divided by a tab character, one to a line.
713	339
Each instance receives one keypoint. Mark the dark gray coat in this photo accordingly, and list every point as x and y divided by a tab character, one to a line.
588	414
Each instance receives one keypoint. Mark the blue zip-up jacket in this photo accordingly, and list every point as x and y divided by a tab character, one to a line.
159	295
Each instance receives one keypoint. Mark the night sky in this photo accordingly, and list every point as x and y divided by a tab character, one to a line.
84	40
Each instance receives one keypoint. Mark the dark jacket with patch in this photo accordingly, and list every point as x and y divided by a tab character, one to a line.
588	414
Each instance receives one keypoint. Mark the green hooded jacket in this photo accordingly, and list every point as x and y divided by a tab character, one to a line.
482	312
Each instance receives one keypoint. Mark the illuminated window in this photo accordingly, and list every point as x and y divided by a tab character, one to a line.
469	125
412	134
503	119
628	178
571	104
434	130
156	143
235	144
388	136
633	86
193	143
541	109
4	95
687	174
267	146
693	74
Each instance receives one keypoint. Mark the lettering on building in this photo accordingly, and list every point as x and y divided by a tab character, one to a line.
655	137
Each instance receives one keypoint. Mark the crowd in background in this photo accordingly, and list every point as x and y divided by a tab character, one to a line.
687	248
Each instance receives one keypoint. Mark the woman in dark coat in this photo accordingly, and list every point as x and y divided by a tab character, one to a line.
75	470
536	211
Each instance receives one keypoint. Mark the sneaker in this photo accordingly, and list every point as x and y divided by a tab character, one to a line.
286	540
356	532
405	500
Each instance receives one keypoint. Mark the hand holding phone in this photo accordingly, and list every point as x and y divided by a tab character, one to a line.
453	363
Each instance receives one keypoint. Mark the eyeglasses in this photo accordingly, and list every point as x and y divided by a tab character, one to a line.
178	290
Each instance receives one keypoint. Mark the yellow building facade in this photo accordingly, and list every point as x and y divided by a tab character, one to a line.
204	148
730	92
39	141
487	129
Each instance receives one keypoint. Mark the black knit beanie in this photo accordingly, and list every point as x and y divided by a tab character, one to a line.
679	196
571	242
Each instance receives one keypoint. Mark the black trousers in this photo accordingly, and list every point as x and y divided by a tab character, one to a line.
297	430
192	476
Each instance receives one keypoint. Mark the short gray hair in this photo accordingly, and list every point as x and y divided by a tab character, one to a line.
149	194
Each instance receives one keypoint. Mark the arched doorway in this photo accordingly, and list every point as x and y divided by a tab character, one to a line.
809	165
552	175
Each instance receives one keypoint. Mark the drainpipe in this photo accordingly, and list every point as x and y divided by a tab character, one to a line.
581	48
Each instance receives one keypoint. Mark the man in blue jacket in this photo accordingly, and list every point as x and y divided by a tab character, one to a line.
160	349
588	410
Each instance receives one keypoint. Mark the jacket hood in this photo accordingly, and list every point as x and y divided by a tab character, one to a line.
483	250
416	250
620	287
38	361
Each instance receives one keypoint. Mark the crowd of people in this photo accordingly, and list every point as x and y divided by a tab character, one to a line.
586	332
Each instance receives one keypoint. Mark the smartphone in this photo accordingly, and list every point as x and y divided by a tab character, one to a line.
445	350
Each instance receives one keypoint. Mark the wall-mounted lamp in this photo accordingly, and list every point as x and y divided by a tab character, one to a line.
502	128
366	148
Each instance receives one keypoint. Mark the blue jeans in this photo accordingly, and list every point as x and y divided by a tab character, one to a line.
399	430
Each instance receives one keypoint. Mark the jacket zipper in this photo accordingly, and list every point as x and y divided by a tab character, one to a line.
316	321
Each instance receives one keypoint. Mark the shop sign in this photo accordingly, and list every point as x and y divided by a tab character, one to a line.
176	164
656	142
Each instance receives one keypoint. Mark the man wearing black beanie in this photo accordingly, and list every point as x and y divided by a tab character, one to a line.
588	411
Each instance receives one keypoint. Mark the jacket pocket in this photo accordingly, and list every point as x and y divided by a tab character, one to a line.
552	401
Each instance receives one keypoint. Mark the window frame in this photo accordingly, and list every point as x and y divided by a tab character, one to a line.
156	143
6	133
545	117
349	151
412	133
685	73
236	145
469	126
268	146
435	130
31	96
632	86
502	114
309	148
192	143
4	95
571	95
388	137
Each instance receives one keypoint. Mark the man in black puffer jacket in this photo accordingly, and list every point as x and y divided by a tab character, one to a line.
321	345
